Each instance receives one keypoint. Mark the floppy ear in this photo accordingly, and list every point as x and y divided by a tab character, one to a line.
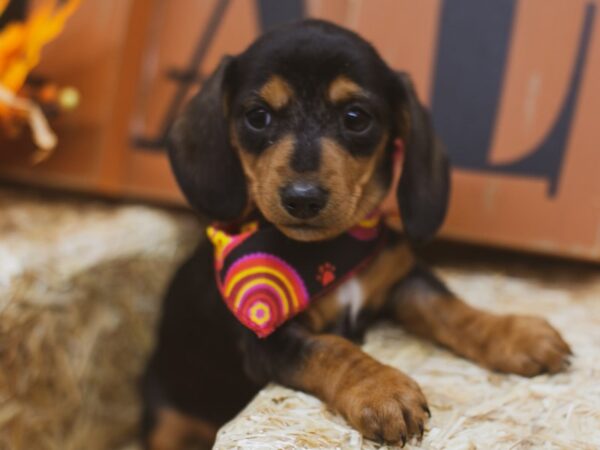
424	186
205	165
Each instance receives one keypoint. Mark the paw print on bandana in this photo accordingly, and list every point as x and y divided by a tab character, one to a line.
326	274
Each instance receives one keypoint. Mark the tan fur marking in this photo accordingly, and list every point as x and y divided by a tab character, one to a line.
505	343
375	281
265	171
389	267
343	88
174	429
277	92
354	189
378	400
322	313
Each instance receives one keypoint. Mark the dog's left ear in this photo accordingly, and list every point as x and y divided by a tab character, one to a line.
205	164
424	186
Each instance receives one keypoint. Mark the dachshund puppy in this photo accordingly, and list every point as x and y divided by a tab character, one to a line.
298	133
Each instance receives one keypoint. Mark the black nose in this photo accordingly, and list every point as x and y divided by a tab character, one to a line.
303	200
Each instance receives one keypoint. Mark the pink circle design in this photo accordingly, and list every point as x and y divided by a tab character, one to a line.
263	291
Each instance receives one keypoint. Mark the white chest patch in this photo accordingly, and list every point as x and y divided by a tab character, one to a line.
350	295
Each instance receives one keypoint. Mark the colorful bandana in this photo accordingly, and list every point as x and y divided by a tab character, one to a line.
266	278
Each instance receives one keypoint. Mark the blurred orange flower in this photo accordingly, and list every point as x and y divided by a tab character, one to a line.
20	49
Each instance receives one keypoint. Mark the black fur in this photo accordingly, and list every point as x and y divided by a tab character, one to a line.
206	363
203	160
197	365
309	55
424	187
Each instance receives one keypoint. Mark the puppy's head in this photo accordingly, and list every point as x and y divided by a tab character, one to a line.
302	126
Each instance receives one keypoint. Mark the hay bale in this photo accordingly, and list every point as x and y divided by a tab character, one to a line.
80	286
472	408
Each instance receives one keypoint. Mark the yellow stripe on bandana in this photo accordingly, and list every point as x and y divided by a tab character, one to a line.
259	282
258	270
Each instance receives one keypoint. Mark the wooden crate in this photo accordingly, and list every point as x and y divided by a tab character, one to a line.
514	88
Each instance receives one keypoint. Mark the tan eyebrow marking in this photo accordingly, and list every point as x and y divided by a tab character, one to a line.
276	92
343	88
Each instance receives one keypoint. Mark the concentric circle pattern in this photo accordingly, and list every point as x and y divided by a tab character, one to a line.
263	292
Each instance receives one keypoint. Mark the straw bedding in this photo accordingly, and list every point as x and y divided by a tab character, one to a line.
80	283
80	286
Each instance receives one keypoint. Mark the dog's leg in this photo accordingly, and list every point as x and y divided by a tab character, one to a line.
506	343
378	400
164	427
194	381
174	430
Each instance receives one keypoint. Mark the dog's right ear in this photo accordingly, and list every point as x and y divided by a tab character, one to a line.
205	164
424	187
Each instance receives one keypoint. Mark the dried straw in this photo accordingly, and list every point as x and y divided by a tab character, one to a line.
80	284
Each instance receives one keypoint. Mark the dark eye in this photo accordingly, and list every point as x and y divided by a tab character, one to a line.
258	118
356	119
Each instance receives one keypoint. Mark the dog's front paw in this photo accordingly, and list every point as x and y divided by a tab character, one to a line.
525	345
385	405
